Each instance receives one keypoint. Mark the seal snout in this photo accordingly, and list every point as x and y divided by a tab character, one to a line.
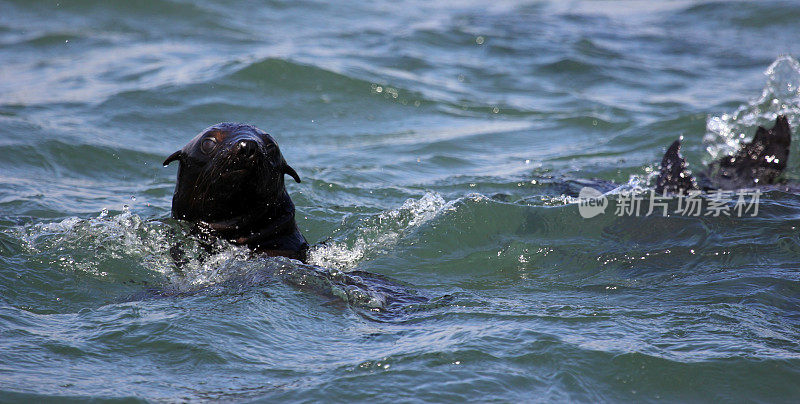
246	148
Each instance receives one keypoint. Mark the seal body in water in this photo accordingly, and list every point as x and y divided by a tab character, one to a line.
231	184
757	164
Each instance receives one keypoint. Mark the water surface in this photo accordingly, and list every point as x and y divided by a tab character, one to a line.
440	147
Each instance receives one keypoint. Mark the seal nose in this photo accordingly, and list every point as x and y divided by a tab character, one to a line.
246	148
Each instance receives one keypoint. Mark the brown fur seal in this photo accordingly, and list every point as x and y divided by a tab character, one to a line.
231	184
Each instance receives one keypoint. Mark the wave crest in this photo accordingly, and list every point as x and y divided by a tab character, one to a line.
780	96
376	233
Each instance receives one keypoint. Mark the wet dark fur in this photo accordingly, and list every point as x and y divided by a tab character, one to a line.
757	164
236	190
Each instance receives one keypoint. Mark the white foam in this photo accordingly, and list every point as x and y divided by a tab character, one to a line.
780	96
76	244
378	233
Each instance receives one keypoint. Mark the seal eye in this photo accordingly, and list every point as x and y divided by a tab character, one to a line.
208	145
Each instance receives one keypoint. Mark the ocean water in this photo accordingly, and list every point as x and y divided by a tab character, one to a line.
441	147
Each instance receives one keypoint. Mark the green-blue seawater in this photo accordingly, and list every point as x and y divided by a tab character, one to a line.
441	146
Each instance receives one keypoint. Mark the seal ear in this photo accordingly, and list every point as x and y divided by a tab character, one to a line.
174	156
292	173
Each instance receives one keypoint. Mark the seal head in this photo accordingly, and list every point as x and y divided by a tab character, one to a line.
231	183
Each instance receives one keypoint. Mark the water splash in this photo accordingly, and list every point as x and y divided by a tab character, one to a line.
76	244
780	96
120	247
123	245
377	233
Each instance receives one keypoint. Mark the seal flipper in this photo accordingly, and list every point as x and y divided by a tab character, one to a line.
674	177
760	162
